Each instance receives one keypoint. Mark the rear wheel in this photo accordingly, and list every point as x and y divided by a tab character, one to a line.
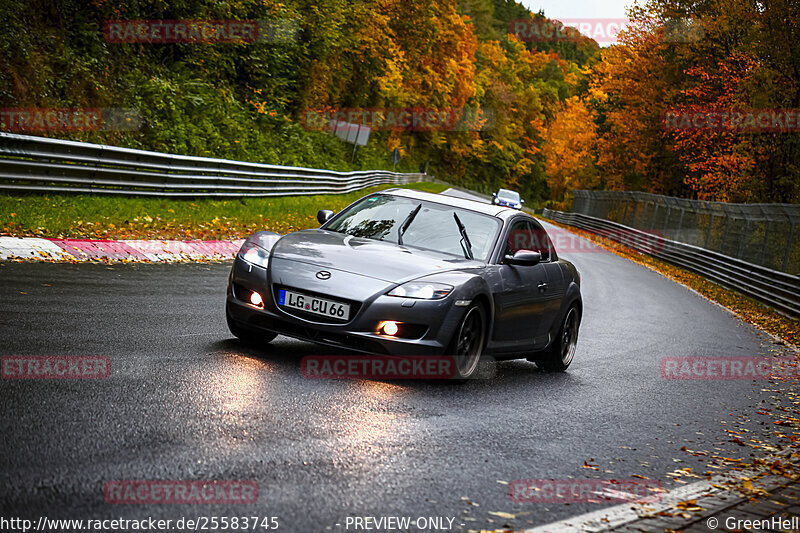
467	344
248	335
559	354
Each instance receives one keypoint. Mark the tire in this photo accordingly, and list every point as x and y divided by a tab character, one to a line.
558	356
248	335
466	347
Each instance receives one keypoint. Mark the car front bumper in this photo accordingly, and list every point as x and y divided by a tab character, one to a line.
434	321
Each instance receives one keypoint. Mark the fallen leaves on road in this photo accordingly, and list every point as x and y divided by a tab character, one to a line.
510	516
590	466
688	505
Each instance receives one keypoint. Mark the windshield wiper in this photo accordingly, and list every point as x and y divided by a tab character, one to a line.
406	223
465	244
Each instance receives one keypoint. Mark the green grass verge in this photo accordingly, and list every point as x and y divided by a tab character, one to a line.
120	217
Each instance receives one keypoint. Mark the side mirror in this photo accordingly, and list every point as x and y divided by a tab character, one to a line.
324	215
521	201
524	258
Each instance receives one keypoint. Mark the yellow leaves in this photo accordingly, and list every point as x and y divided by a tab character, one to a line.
689	505
681	473
750	490
492	53
597	94
568	149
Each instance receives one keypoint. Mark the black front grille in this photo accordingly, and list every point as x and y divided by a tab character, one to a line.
312	317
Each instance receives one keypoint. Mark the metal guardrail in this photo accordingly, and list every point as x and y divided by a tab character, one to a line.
41	164
762	234
774	288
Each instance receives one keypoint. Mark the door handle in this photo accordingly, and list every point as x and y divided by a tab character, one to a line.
542	286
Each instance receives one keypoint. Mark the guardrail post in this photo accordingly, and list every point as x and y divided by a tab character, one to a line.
708	230
724	233
666	219
740	251
763	259
679	233
785	266
655	216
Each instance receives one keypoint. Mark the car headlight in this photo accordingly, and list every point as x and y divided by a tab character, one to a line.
421	290
253	253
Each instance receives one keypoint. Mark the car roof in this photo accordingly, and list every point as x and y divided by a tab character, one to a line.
463	203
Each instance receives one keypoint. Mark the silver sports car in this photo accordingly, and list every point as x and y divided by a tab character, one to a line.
408	273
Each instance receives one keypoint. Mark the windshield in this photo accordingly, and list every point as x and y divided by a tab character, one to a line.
380	217
505	194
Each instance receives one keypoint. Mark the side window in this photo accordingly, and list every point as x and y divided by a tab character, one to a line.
527	235
518	237
543	243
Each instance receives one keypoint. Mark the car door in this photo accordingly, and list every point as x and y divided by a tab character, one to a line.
521	304
556	285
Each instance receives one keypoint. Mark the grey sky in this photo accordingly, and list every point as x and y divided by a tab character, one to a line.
591	11
579	8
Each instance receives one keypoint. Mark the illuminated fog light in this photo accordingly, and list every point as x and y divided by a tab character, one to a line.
256	300
390	328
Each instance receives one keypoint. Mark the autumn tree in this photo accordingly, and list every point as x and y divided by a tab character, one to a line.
710	55
569	150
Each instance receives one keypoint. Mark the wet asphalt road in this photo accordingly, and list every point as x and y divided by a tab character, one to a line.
187	401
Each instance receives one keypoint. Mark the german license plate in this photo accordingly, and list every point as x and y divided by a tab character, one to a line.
314	305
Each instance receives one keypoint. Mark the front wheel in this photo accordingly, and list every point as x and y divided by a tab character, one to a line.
559	354
467	344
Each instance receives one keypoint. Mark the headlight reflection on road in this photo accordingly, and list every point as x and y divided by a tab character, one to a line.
370	422
240	384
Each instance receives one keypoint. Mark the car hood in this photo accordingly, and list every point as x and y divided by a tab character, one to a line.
375	259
